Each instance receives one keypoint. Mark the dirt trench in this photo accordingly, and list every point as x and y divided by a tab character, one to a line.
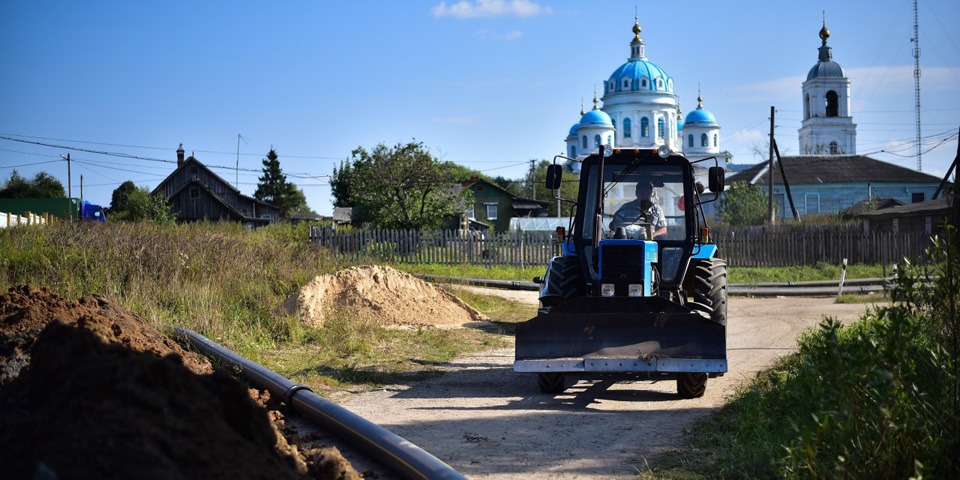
88	390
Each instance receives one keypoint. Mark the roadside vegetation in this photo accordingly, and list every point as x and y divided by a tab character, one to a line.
876	399
229	284
821	271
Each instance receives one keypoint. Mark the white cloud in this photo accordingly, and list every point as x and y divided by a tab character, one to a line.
487	34
489	8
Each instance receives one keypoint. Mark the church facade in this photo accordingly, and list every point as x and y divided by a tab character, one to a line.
641	110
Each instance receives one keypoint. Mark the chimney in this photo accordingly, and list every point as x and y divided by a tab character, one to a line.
180	156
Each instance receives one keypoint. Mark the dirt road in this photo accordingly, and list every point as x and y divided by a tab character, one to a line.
488	422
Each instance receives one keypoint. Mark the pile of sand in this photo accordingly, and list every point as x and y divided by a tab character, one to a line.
382	295
88	390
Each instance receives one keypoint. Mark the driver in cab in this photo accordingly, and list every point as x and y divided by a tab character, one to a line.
643	210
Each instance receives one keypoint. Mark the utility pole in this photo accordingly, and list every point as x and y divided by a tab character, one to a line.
81	187
770	173
533	177
69	186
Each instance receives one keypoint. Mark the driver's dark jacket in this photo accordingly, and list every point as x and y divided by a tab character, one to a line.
630	213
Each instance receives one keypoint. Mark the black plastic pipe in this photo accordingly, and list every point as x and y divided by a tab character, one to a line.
405	458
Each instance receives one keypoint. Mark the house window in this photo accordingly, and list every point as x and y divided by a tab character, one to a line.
916	197
812	203
469	212
194	193
626	128
584	142
491	211
644	127
690	140
833	148
660	127
596	141
703	139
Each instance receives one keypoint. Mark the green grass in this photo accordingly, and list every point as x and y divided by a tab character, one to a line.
871	298
802	273
476	271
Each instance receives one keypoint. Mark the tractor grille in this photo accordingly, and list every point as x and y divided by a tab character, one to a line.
622	263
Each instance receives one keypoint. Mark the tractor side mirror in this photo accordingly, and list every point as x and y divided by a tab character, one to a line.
715	178
554	174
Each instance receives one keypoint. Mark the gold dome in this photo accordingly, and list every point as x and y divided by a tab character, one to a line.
824	33
636	27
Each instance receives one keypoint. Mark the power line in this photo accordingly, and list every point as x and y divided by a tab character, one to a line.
30	164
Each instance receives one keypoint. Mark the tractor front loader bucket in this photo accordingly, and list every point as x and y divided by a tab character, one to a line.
620	334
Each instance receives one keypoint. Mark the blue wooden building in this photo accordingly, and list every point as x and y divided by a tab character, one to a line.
830	184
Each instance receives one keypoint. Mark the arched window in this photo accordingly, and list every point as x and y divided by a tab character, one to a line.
714	139
833	148
806	107
643	83
690	140
660	127
584	142
644	127
703	139
659	84
626	83
573	151
609	140
596	141
613	85
626	128
833	104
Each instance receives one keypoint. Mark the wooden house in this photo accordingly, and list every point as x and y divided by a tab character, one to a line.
923	217
196	193
830	184
495	206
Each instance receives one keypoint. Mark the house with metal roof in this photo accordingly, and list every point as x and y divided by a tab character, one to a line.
830	184
495	206
196	193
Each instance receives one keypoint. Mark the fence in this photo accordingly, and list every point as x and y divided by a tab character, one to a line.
450	247
807	245
744	247
8	219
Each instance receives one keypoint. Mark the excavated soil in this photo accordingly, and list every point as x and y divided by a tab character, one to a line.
88	390
381	295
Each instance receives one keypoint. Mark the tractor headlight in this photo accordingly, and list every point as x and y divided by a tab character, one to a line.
606	290
635	290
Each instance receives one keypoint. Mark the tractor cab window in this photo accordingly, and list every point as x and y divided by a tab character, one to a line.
647	201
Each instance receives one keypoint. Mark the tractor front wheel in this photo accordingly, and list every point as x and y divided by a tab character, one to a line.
691	385
551	382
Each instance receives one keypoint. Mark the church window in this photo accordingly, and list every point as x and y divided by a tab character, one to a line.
833	104
596	141
660	128
670	85
806	107
573	151
644	127
833	148
703	139
609	140
714	139
613	85
626	83
584	142
626	128
690	140
659	84
643	83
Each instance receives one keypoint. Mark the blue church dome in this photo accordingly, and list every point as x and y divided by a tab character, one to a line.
637	71
595	117
701	117
573	129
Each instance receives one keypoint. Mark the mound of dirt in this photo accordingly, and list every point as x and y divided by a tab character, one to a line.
90	391
382	295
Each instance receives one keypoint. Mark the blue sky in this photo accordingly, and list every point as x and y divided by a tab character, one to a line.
487	84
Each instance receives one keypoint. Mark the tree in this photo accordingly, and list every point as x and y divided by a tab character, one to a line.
119	201
142	205
569	189
399	187
743	204
43	185
274	188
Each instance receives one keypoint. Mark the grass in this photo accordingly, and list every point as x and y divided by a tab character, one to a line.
476	271
229	284
871	298
802	273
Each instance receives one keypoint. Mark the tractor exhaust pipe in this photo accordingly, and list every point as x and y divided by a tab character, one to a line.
405	458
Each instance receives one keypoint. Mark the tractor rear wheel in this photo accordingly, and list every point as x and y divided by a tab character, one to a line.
562	281
550	382
691	385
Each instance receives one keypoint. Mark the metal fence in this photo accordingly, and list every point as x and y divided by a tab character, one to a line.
450	247
741	247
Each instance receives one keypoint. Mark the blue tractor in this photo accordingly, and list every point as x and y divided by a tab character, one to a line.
634	296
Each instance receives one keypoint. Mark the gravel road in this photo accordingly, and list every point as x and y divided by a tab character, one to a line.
487	421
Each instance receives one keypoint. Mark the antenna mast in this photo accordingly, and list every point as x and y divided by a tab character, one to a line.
916	80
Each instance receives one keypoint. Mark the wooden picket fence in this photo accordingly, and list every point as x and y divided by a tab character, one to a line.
448	247
810	244
741	247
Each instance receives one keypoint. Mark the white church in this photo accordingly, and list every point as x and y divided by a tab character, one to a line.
641	110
